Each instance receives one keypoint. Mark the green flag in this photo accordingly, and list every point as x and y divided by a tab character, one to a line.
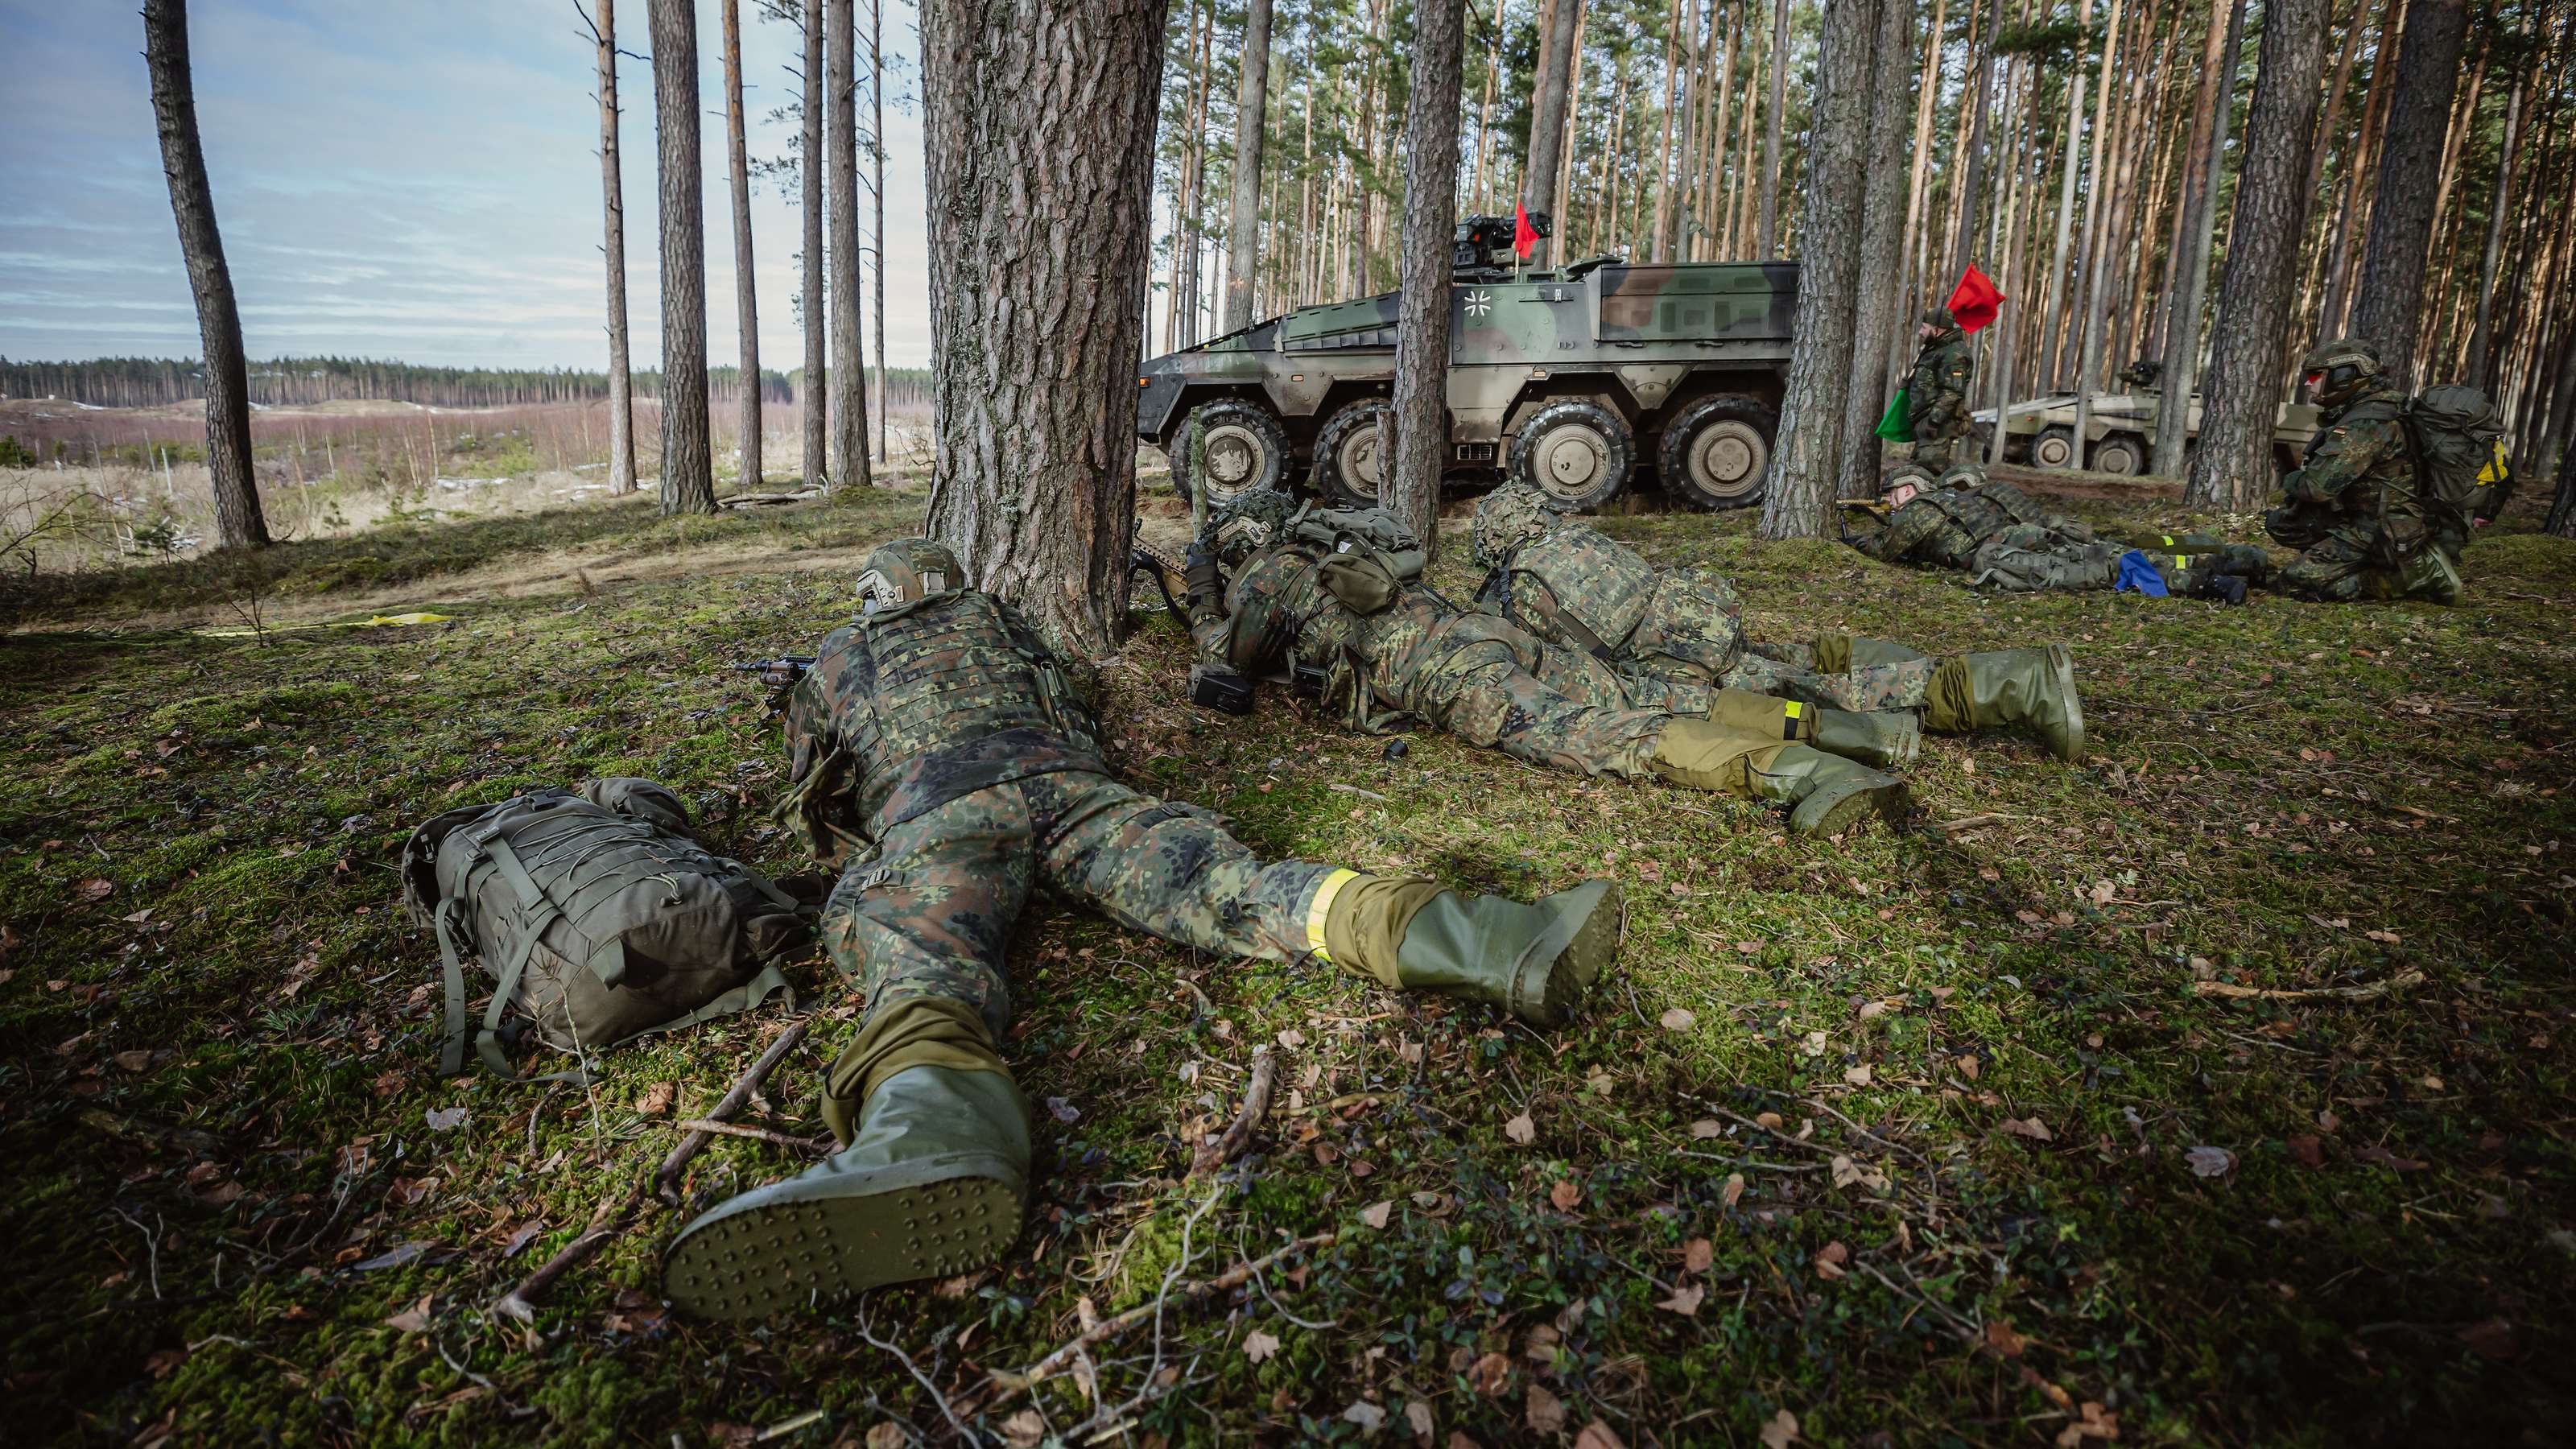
1897	427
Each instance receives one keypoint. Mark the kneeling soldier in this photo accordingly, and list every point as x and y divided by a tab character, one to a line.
938	731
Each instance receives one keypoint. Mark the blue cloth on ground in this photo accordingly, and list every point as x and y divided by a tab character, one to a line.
2136	573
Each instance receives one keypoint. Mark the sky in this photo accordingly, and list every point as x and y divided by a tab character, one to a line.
404	179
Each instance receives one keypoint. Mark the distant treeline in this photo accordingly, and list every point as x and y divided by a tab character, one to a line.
128	382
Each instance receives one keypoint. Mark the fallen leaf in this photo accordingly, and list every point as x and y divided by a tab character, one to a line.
2032	1128
1781	1431
1024	1430
1830	1259
2001	1337
445	1119
1490	1374
658	1098
2210	1161
165	1362
1679	1018
1732	1192
2378	1156
2306	1148
1597	1435
1848	1173
1375	1214
1869	1009
138	918
2492	1338
1259	1346
2102	892
1544	1411
1521	1129
1697	1254
1685	1300
1418	1414
1365	1414
1969	1067
97	888
519	1240
888	1435
408	1252
1772	1120
414	1319
136	1060
1292	1039
1708	1127
1565	1195
1062	1110
1858	1076
1813	1044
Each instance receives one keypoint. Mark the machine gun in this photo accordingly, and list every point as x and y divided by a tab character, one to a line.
1481	249
780	673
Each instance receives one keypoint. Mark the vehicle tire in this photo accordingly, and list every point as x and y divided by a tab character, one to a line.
1717	453
1575	451
2055	448
2121	453
1244	449
1350	455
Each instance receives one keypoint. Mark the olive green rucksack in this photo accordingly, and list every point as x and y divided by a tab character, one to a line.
1368	557
599	916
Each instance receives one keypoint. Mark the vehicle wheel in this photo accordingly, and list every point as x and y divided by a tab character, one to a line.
2122	453
1350	459
2054	449
1717	453
1577	452
1244	449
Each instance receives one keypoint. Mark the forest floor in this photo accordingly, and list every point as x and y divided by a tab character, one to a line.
2216	1090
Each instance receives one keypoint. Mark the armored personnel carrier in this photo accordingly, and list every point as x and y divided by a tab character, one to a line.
2120	428
1577	379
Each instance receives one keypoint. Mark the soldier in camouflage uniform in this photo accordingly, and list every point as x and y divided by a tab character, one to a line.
941	760
1336	594
1994	533
1577	588
2351	507
1936	392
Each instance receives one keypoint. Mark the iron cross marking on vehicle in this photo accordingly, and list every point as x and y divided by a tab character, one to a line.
1479	303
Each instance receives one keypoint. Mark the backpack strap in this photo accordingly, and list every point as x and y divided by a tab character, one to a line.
1542	602
447	924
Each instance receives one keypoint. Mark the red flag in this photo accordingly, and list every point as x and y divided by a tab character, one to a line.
1976	301
1524	235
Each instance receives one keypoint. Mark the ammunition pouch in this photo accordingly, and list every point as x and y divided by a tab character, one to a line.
1220	689
1359	581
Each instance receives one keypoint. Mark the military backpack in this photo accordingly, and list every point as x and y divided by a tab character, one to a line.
597	913
1368	554
2458	440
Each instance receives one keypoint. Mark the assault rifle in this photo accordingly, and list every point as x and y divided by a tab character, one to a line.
779	673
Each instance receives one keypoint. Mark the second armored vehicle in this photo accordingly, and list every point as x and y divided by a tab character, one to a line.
1575	379
2120	428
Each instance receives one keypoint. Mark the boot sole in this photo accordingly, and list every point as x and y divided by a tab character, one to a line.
2062	660
1577	964
804	1251
1834	810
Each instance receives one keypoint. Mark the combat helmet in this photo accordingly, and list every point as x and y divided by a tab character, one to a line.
2337	371
1508	517
906	569
1939	318
1963	475
1246	525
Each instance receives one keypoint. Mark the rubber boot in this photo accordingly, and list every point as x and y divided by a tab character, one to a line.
1534	960
1827	794
932	1184
1885	739
1839	653
2034	687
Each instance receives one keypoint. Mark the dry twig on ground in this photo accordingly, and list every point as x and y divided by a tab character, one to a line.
1238	1135
667	1181
1184	1293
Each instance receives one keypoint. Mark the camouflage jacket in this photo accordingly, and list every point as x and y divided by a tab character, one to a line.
1578	588
918	704
1936	393
1945	526
2359	460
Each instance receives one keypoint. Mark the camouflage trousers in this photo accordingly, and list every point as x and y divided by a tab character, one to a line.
1863	685
931	914
1490	683
2342	559
1935	453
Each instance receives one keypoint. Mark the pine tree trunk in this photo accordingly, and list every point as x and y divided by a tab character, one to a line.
1773	116
1562	207
1251	105
2481	363
2053	311
809	166
1661	244
2388	299
746	297
849	367
238	520
2187	273
876	196
1038	238
1927	94
1879	306
2232	469
1972	168
1422	320
1547	121
1806	462
621	387
688	477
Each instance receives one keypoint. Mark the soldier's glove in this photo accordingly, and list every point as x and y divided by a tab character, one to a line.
2294	486
1215	687
1199	570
